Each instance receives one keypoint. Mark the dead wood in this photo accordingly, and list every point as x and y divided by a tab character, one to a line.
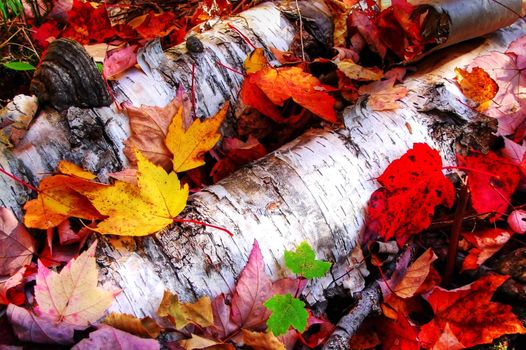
314	188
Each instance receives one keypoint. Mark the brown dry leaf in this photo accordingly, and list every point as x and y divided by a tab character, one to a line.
383	95
416	275
181	314
365	339
340	11
149	126
262	341
16	243
477	86
188	145
356	72
127	175
145	327
485	244
197	342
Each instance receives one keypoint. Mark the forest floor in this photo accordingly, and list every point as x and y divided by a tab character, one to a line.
447	252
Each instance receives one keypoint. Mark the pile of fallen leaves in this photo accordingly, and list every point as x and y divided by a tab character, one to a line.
171	152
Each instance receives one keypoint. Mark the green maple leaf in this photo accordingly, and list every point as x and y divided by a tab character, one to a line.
286	311
303	262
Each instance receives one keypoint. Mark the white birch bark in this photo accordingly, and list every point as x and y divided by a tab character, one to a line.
314	189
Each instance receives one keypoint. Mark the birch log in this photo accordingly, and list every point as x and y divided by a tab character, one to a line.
313	189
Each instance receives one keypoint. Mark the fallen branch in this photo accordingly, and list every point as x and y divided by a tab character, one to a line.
367	303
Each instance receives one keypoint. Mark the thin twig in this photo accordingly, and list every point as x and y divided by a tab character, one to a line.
455	234
31	43
11	37
301	31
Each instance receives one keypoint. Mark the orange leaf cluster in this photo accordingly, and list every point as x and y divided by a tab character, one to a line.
266	87
463	317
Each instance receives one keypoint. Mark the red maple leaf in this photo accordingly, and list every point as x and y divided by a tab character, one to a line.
399	334
492	181
45	33
413	181
88	24
470	314
238	153
252	289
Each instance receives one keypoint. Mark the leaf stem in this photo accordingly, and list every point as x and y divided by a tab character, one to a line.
231	26
22	182
229	68
301	31
197	222
464	168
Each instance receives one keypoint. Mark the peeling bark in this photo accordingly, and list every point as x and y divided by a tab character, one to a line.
314	189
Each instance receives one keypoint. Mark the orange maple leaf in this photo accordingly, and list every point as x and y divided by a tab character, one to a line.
470	314
477	86
153	25
59	199
266	87
280	84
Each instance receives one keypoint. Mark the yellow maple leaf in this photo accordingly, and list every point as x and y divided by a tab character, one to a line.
138	210
478	86
189	146
196	343
72	297
68	168
255	61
